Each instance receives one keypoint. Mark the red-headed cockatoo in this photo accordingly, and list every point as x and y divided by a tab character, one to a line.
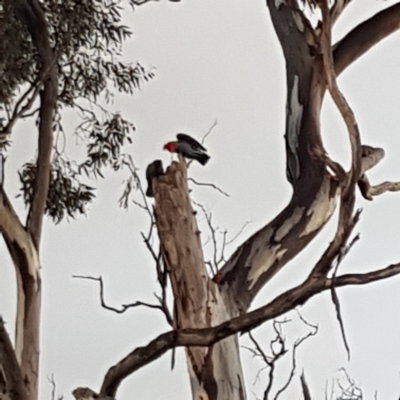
189	148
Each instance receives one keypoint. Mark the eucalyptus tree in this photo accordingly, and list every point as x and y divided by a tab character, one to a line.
55	56
210	311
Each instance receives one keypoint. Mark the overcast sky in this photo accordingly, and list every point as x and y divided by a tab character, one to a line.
219	60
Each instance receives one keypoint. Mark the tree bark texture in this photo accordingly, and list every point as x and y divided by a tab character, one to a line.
215	371
24	242
200	303
11	383
26	262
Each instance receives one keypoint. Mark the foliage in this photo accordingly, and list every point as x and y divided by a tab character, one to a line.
104	142
87	38
16	55
67	196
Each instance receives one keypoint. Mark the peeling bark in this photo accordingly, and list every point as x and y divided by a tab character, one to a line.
310	67
215	372
26	261
310	71
24	243
289	300
314	191
11	382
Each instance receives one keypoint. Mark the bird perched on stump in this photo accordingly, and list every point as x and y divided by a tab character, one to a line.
189	148
153	170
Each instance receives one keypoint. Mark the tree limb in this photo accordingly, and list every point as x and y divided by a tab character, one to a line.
337	9
10	372
292	298
124	307
364	36
32	16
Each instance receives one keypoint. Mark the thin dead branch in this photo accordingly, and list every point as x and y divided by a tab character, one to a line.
334	296
292	298
297	343
210	185
124	307
215	123
304	387
278	350
162	276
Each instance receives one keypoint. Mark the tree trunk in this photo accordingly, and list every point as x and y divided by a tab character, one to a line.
26	261
24	242
215	372
199	302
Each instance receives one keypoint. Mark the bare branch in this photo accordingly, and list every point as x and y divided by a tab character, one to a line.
53	388
32	113
209	336
238	233
334	296
140	2
162	277
215	123
298	342
208	215
369	277
144	205
276	354
335	300
259	349
210	185
351	391
124	306
304	387
364	36
383	188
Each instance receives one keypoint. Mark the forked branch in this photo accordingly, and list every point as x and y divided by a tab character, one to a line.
208	336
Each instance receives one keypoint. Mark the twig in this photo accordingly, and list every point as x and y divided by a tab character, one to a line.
334	296
292	298
304	387
162	276
208	216
124	307
53	387
352	391
209	131
260	351
239	232
53	390
210	185
35	88
296	345
31	113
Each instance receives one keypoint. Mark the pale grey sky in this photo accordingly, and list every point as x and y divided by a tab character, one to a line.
220	60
